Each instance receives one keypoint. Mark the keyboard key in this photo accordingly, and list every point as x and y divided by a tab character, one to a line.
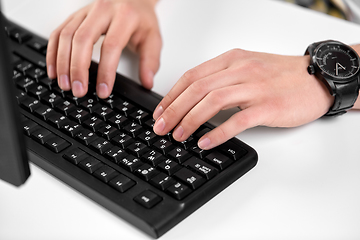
219	160
199	152
235	152
115	154
19	35
192	179
57	144
122	183
137	148
140	116
41	135
118	121
79	115
164	145
133	129
90	164
75	155
179	154
153	157
178	190
58	120
108	132
162	181
105	173
130	162
146	171
86	136
101	145
65	107
148	199
148	137
201	167
169	166
122	140
94	123
72	128
104	112
30	126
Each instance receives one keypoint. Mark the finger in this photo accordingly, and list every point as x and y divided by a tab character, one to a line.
111	50
208	107
150	58
85	37
64	51
201	71
191	97
237	123
52	47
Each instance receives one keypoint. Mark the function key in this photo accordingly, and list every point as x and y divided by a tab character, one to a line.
148	199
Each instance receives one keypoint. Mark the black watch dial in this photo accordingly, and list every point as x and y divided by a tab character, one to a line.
337	60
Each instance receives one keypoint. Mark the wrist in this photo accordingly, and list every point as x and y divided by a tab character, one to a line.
357	49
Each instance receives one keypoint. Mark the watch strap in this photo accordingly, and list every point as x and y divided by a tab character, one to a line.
345	97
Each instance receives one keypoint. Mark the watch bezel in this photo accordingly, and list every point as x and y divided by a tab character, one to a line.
327	76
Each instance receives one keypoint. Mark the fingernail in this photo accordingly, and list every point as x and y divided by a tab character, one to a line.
158	111
77	88
204	143
179	131
51	71
64	82
102	90
159	126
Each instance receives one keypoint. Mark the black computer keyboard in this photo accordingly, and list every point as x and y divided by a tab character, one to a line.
107	150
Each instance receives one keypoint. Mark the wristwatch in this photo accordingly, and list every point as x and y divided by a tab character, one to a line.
337	65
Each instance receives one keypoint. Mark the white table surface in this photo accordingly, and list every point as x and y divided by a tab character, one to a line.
307	181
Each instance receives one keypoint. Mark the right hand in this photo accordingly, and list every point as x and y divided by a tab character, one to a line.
125	22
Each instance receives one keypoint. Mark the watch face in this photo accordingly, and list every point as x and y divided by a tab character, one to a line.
337	60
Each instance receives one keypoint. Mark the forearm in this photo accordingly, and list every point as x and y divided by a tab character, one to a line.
357	103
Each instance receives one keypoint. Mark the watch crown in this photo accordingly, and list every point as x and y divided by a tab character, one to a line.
311	69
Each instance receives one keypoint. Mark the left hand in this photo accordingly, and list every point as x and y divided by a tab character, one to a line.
272	90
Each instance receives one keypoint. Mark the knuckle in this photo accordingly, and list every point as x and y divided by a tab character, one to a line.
190	76
81	36
110	43
216	98
235	53
66	33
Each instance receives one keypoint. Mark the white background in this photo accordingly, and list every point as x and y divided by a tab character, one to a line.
306	183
